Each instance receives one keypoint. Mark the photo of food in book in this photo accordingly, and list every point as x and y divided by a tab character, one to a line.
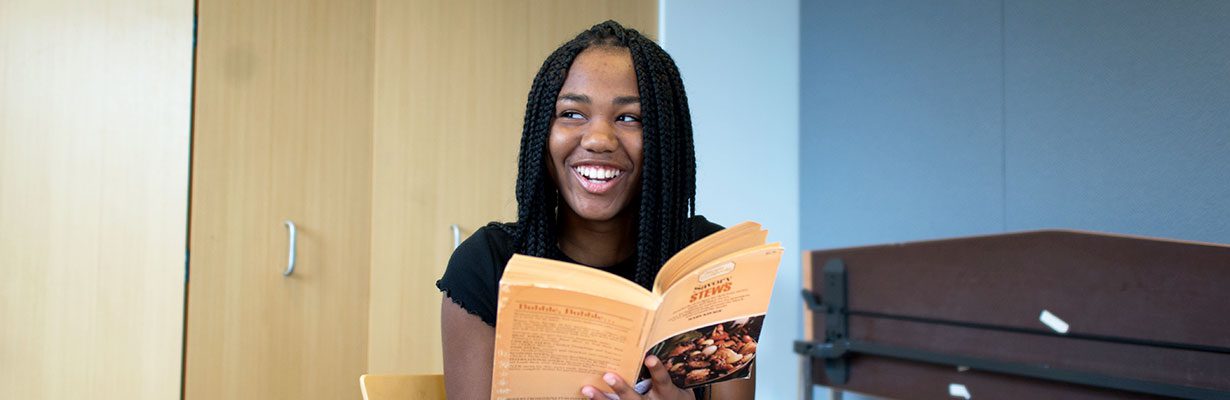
710	354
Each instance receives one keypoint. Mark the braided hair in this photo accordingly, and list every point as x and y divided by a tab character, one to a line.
667	199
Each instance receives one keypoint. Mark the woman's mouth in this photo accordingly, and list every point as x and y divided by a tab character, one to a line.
597	179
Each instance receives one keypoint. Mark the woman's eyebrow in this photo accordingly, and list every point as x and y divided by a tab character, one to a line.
579	98
625	100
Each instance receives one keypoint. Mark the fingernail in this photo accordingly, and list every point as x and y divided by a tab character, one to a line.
588	392
651	361
609	378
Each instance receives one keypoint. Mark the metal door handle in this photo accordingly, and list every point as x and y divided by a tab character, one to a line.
456	235
290	263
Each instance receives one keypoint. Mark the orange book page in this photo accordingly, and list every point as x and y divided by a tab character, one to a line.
561	326
549	343
742	236
534	271
708	324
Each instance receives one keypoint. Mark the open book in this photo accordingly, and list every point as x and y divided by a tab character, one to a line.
561	326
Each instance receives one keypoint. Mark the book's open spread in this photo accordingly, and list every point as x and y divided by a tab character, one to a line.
561	325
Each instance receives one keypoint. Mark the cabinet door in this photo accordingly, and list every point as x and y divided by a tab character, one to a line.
451	84
282	132
94	111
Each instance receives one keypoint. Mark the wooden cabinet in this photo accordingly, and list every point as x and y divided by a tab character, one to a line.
282	132
373	125
95	108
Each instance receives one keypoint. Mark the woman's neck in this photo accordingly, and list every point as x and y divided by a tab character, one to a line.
597	243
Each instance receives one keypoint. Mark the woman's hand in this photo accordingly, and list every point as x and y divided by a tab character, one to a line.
663	388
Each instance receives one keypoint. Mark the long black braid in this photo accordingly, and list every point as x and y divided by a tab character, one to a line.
667	199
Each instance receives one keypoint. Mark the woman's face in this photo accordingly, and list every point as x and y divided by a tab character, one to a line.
595	143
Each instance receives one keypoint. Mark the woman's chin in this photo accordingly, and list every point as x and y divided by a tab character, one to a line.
597	216
613	207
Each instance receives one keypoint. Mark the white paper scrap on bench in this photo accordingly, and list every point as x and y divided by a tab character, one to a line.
1053	321
958	390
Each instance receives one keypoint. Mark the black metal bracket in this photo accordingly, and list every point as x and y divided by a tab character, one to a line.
836	331
826	350
837	347
813	302
833	349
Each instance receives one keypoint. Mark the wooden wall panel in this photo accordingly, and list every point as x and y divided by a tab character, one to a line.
451	85
94	130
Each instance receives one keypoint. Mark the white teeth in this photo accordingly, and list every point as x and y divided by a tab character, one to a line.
598	172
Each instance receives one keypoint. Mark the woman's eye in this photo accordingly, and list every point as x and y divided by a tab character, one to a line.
628	118
571	115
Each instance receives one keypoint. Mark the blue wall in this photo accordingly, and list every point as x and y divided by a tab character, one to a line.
935	119
1118	117
739	62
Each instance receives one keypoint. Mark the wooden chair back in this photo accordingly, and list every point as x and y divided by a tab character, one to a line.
402	387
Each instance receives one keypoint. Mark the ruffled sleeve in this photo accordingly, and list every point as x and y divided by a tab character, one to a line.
472	277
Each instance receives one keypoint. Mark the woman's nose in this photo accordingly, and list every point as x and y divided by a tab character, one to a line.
600	137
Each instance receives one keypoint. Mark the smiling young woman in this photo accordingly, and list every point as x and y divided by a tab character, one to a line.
606	178
595	156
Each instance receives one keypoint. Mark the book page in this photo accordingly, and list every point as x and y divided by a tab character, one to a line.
742	236
707	328
553	338
541	272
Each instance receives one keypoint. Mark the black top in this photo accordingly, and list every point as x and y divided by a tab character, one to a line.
473	276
